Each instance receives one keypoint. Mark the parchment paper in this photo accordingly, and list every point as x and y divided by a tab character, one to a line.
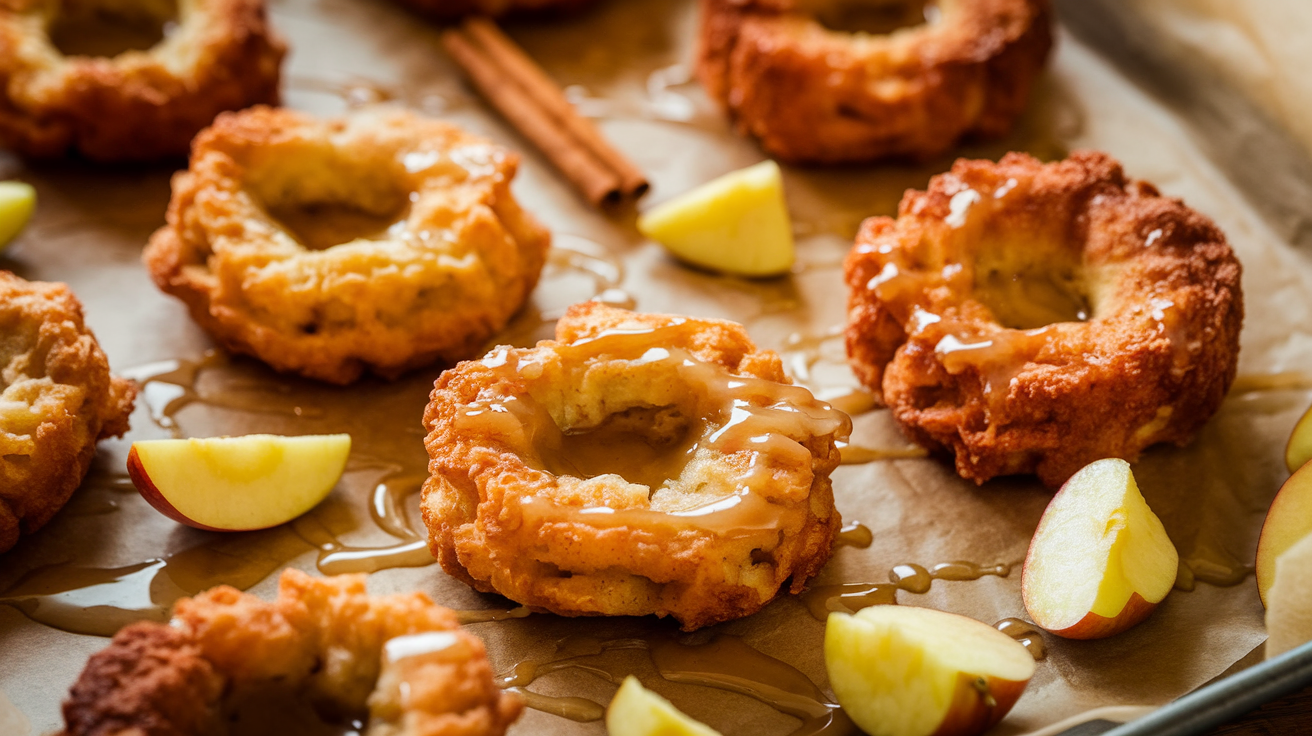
626	64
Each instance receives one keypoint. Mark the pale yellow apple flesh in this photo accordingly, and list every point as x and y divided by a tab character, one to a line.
17	202
1299	448
1287	521
238	483
1289	600
903	671
736	224
637	711
1100	560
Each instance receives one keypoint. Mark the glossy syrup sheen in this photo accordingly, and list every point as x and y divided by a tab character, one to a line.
716	414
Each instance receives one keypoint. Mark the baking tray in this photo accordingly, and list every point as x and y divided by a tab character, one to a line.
626	64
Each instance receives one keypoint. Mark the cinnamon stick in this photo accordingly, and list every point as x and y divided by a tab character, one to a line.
518	88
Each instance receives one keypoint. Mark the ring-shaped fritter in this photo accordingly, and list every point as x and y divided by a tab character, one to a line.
451	9
812	94
638	464
1033	318
399	660
446	258
57	398
138	105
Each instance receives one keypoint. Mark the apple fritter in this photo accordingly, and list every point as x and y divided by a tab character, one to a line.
638	464
381	241
399	660
1034	318
815	85
139	104
58	399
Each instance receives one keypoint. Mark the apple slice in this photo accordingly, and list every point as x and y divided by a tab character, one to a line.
736	224
1100	561
903	671
238	483
637	711
1288	520
1299	448
1289	600
17	202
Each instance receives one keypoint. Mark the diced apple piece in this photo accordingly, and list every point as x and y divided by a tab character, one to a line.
17	202
1287	521
1299	448
1100	561
637	711
736	224
902	671
1289	600
238	483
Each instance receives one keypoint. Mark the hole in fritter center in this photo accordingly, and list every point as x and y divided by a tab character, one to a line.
644	445
877	17
83	28
322	226
1024	294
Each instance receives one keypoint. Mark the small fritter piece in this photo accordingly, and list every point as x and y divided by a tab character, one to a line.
812	94
638	464
1033	318
441	257
400	659
137	105
451	9
58	399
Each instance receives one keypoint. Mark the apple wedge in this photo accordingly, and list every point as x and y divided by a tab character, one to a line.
902	671
1287	521
735	224
237	483
1289	600
637	711
1101	560
17	202
1298	450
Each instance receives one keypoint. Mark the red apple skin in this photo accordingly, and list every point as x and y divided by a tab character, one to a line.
1093	626
1287	521
148	491
970	712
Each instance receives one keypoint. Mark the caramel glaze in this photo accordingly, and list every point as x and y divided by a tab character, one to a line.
725	662
821	600
764	420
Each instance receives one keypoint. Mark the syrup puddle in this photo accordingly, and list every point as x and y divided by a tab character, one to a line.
100	601
1198	570
1260	382
388	512
854	534
821	600
1027	634
850	454
725	662
169	386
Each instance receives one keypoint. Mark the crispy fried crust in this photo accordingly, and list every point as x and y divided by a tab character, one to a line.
139	105
811	94
325	639
1013	241
510	515
432	288
451	9
58	399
